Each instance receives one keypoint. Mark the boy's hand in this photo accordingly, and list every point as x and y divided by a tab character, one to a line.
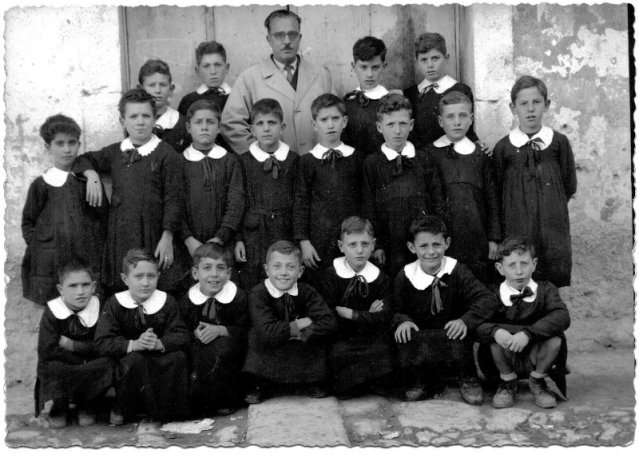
492	250
164	250
94	188
192	244
65	343
456	329
344	312
487	151
403	332
304	322
377	306
216	239
240	251
148	339
380	256
519	342
207	332
309	255
503	338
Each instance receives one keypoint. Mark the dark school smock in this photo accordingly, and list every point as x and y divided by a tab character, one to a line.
171	128
361	109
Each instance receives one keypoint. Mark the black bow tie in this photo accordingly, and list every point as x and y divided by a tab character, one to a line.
214	91
272	165
401	161
360	96
331	155
130	155
436	304
357	286
519	297
427	88
209	312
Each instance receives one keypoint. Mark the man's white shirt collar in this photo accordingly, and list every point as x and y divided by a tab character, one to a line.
143	150
370	272
408	151
193	155
421	280
277	293
152	304
224	296
88	315
203	89
374	93
519	138
282	66
506	291
318	150
443	84
464	146
168	119
55	177
280	154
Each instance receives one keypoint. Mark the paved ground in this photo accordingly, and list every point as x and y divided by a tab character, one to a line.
600	412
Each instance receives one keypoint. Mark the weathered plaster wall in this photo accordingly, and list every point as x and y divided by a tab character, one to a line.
581	52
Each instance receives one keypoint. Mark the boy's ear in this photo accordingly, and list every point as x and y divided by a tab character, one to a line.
171	88
439	120
194	272
124	279
283	126
340	246
353	66
411	124
379	126
345	120
302	270
314	123
59	288
447	240
512	109
188	127
499	267
547	105
411	247
472	116
534	262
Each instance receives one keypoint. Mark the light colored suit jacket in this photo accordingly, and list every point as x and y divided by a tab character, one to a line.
265	80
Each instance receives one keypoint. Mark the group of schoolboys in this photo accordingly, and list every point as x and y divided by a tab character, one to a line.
299	235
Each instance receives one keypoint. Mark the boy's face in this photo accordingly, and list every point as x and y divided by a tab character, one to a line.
369	73
142	280
283	270
212	70
64	148
395	127
284	48
455	119
160	87
138	121
76	290
357	247
204	127
268	130
212	274
431	65
329	124
430	249
529	108
517	268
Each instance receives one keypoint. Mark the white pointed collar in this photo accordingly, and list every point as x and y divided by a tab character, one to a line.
168	119
277	293
408	151
506	291
55	177
143	150
421	280
374	93
370	272
519	138
88	315
193	155
464	146
443	84
224	296
318	150
203	89
153	303
280	154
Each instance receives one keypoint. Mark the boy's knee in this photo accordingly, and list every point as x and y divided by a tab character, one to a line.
553	344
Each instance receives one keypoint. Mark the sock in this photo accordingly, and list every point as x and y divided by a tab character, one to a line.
508	377
537	375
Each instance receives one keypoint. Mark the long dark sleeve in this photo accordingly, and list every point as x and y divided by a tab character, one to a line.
434	188
369	196
268	326
399	301
48	339
235	202
109	340
172	193
567	165
302	201
491	201
324	322
481	302
176	334
100	161
556	318
33	206
239	320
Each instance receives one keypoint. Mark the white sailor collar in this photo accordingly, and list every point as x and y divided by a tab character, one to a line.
280	154
318	150
519	138
88	315
370	272
55	177
443	84
277	293
203	89
224	296
168	119
421	280
506	291
152	305
143	150
193	155
464	146
374	93
408	151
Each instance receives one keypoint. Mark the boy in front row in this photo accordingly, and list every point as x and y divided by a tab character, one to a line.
527	331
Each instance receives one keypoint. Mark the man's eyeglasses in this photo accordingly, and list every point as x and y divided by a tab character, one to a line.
280	36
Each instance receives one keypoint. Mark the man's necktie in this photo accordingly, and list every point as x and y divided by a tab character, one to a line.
289	73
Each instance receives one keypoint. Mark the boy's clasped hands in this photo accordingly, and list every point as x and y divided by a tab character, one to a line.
455	329
148	340
207	333
513	342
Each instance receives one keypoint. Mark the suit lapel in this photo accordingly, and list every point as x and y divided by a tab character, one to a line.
276	80
305	80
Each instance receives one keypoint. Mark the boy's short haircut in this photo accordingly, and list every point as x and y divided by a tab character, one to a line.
356	224
428	224
429	41
284	247
267	106
213	251
369	47
203	104
454	97
136	96
135	256
207	48
56	124
151	67
393	102
528	82
512	244
325	101
74	265
281	13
